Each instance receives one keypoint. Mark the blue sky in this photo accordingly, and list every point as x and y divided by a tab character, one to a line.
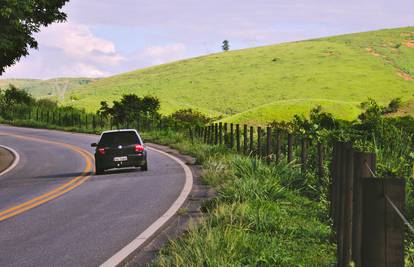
103	38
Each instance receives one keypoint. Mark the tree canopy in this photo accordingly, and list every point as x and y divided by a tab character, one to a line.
226	45
130	107
19	20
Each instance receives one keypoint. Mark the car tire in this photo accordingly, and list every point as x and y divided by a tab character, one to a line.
99	170
144	167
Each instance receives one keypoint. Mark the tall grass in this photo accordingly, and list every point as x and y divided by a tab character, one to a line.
257	219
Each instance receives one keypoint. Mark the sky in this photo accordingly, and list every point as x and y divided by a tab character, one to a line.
105	37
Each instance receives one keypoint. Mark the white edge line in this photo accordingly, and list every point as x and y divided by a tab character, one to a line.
121	255
15	161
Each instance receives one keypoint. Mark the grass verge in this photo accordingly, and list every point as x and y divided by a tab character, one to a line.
258	219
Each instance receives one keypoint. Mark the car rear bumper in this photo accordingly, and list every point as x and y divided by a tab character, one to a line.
108	162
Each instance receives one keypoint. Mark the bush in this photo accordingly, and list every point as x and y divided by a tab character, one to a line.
190	117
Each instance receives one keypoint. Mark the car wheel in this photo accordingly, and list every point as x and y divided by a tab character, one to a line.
144	167
99	170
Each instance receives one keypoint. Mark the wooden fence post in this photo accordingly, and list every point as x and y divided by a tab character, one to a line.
364	163
290	148
191	134
210	134
205	135
303	154
216	136
259	141
226	140
251	139
334	185
221	133
238	138
278	145
347	212
382	229
231	135
321	155
244	139
268	143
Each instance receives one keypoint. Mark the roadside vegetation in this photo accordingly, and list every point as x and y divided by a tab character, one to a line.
266	213
259	217
274	215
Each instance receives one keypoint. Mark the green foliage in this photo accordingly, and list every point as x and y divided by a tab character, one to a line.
226	45
258	219
130	108
190	117
19	20
13	96
394	105
46	104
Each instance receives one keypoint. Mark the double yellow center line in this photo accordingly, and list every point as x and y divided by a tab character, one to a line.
56	192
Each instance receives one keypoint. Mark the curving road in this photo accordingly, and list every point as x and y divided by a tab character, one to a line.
55	212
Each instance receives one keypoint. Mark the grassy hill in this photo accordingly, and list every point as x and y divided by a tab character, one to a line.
53	88
260	84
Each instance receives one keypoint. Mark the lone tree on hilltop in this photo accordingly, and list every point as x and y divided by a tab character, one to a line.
19	20
226	45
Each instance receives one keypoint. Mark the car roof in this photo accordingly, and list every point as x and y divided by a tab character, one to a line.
120	130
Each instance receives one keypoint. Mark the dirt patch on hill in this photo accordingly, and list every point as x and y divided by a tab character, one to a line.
406	34
404	75
409	43
372	52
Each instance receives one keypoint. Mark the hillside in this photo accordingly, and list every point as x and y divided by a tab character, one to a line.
53	88
274	81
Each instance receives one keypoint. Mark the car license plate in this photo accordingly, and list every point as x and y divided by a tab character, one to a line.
118	159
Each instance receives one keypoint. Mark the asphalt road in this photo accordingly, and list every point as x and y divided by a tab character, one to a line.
88	224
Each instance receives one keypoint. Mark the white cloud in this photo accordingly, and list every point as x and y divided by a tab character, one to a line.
68	49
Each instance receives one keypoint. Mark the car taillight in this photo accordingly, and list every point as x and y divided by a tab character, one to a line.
139	148
101	151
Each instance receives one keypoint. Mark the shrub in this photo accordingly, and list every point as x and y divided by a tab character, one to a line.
191	117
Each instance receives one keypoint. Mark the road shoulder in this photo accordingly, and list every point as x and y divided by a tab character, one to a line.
189	213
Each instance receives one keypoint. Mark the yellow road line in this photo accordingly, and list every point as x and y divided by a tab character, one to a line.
58	191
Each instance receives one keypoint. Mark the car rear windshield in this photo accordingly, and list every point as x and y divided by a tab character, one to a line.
119	138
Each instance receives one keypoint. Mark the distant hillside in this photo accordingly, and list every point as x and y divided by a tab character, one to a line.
274	81
53	88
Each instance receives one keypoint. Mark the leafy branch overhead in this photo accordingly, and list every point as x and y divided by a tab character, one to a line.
19	20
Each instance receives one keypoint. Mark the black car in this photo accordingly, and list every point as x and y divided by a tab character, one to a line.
120	149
